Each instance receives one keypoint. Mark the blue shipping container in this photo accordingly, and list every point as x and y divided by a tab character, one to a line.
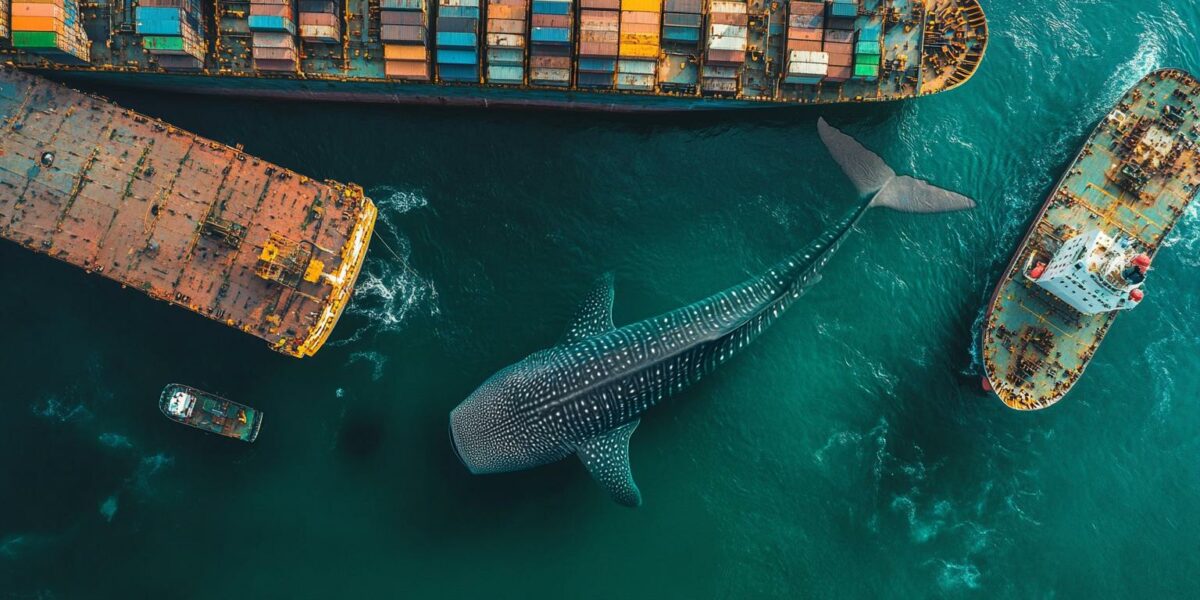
469	12
457	57
506	74
458	73
603	65
551	35
844	9
455	39
271	23
681	34
547	7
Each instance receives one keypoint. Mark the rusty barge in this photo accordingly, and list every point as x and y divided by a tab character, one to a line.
186	220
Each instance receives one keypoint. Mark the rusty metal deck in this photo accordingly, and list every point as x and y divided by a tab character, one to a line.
1035	347
184	219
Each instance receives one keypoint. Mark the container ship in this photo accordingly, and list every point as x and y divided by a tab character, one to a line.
617	55
209	412
1085	258
183	219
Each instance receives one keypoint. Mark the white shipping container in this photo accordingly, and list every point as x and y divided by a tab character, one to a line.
319	32
808	69
505	40
728	7
806	56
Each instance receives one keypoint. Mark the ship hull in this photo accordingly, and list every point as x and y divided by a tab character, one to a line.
385	92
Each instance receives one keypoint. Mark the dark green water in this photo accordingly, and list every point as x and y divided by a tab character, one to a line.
848	453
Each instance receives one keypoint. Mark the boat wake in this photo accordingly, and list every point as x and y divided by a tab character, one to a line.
921	505
389	291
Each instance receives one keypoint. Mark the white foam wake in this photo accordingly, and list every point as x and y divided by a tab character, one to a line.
389	290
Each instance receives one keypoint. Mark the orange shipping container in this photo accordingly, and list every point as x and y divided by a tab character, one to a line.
37	24
402	52
406	69
650	18
25	9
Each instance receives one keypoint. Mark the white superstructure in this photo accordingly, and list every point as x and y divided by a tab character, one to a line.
1094	273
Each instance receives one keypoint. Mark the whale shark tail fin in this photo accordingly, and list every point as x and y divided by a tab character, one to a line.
872	176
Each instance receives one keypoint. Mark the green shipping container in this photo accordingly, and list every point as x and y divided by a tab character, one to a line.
162	42
34	39
866	71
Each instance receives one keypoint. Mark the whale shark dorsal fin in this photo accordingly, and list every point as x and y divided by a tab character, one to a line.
606	457
594	316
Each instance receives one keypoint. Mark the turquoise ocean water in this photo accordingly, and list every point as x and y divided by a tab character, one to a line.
848	453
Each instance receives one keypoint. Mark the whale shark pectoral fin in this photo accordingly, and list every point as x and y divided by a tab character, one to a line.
606	457
594	316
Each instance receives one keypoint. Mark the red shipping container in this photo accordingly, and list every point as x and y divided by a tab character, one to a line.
550	62
506	26
728	19
407	17
551	20
271	10
804	46
325	19
726	57
808	35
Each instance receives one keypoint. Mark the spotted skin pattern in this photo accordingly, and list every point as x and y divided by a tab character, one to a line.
585	395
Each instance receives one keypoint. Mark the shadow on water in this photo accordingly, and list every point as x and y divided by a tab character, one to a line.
360	437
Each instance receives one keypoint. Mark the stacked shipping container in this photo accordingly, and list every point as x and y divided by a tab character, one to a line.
842	9
273	35
506	27
172	30
807	63
599	42
839	40
319	22
682	22
727	31
3	19
868	53
641	24
52	28
458	40
550	39
403	29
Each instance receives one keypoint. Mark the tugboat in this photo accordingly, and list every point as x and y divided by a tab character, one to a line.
1086	257
209	412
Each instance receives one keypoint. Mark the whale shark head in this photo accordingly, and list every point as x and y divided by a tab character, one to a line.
489	431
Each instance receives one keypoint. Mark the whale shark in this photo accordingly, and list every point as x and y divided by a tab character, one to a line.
585	395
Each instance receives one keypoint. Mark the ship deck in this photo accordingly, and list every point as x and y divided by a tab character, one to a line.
928	46
183	219
1035	347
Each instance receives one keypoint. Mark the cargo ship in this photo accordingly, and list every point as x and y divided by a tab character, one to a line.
615	55
183	219
211	413
1085	258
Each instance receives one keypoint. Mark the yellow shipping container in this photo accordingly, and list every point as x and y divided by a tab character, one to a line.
642	5
639	50
400	52
639	38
